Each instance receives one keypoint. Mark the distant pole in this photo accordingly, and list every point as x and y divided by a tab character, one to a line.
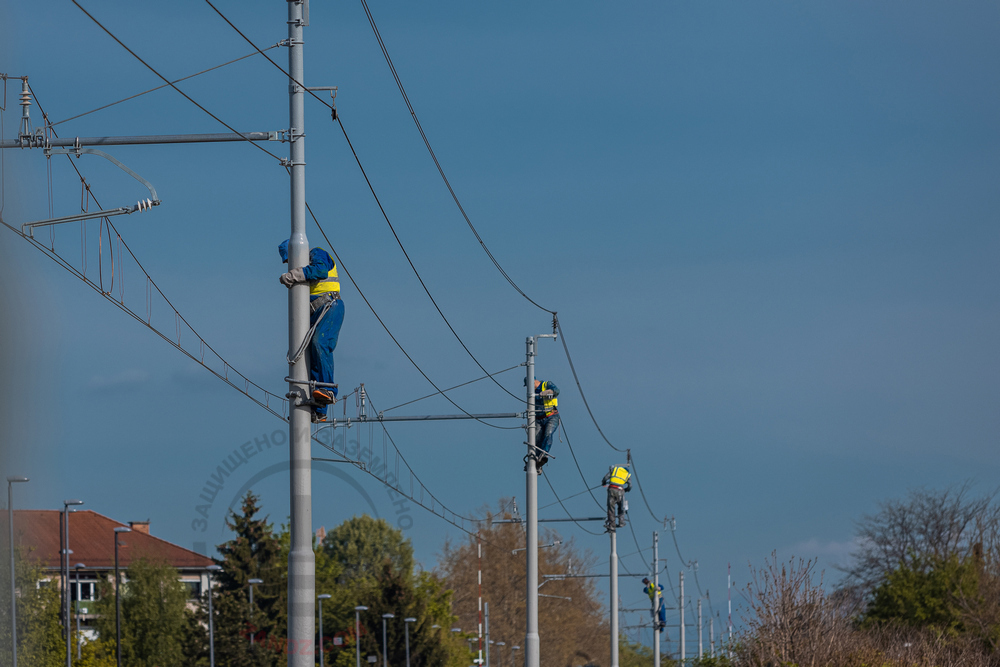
711	635
479	550
614	597
406	627
13	577
531	648
680	604
487	616
325	596
79	641
357	630
66	592
729	590
211	617
253	630
118	600
699	630
385	644
656	599
301	559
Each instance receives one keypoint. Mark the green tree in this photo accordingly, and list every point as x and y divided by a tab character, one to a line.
40	640
153	603
924	593
362	545
254	552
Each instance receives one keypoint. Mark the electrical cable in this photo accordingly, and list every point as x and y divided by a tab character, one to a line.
185	78
394	340
567	498
450	388
437	163
568	514
167	82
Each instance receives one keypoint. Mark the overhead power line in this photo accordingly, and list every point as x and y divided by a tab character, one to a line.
171	84
437	163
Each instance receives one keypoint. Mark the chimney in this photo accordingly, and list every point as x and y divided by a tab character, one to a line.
140	526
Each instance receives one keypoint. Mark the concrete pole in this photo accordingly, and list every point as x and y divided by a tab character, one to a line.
614	597
531	647
301	560
680	604
699	630
656	598
487	616
13	576
711	636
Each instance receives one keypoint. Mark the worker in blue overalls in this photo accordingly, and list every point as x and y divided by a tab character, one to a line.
326	316
655	594
546	419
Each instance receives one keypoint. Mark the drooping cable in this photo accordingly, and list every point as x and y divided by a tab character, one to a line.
436	393
437	163
184	78
172	85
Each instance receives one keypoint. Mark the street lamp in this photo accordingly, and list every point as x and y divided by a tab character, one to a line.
118	598
253	629
513	663
79	642
211	619
357	630
325	596
13	583
385	646
501	644
406	627
69	598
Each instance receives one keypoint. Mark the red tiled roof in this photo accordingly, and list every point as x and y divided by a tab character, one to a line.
91	539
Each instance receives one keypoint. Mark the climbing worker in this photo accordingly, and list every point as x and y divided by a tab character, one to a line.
617	481
326	316
655	594
546	419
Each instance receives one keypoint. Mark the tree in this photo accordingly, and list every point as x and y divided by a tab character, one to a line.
363	545
254	552
153	603
925	594
924	528
40	641
573	632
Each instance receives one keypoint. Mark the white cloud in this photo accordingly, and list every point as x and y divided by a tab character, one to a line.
129	378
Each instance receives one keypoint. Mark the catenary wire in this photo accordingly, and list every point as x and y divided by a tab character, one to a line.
450	388
437	163
168	82
185	78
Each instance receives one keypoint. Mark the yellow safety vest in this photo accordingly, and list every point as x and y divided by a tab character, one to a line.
549	404
619	476
329	284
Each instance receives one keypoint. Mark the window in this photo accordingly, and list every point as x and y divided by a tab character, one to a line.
193	589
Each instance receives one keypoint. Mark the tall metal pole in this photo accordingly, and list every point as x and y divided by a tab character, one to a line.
614	597
487	612
357	630
301	560
680	604
711	636
79	639
325	596
13	576
729	590
531	648
700	653
656	598
211	616
118	600
479	579
69	598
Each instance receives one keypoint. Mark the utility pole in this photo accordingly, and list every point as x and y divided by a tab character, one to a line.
729	590
711	636
699	630
479	549
531	649
301	560
656	598
614	597
487	612
680	604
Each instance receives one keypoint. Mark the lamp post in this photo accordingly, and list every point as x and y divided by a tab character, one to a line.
253	629
385	645
513	662
501	653
69	598
79	643
406	628
13	578
325	596
118	598
211	617
357	630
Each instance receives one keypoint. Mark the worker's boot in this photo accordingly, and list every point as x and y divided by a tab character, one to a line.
324	397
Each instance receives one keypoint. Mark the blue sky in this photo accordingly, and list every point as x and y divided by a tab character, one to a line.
769	229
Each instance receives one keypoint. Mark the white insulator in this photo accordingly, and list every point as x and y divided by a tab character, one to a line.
25	99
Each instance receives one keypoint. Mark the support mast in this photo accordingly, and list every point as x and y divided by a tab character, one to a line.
656	598
531	647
